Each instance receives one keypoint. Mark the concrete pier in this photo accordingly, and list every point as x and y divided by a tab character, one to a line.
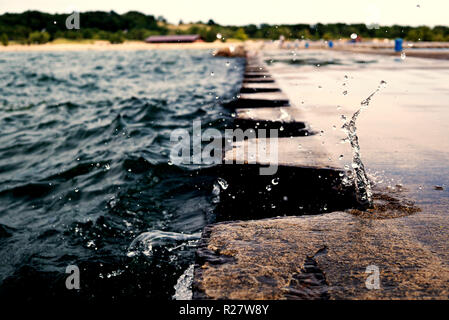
319	257
293	235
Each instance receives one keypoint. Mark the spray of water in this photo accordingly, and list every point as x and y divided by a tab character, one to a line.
362	184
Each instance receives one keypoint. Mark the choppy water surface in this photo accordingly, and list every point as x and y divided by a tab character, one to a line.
84	169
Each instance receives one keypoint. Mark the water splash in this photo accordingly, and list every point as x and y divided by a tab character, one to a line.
183	287
146	242
362	184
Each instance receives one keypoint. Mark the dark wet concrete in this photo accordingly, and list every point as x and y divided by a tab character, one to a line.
323	257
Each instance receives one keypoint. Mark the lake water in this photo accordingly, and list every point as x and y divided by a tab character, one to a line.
84	168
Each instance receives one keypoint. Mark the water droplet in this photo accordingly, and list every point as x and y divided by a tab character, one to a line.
223	183
340	157
212	74
227	63
338	107
354	36
345	92
77	190
275	181
169	162
268	187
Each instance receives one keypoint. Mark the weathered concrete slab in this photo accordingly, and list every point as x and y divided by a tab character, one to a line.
255	68
258	80
322	257
257	75
303	152
278	114
288	121
259	87
262	99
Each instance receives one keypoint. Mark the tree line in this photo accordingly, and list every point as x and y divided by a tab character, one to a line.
39	27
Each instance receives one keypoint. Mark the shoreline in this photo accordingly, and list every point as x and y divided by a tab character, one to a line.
102	45
105	45
408	52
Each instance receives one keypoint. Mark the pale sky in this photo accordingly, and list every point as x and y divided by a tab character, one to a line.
240	12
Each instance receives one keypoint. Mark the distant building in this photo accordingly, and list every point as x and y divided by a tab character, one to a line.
182	38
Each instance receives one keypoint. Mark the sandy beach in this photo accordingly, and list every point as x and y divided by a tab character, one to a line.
105	46
426	49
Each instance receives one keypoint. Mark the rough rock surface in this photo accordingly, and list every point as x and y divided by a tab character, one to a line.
323	257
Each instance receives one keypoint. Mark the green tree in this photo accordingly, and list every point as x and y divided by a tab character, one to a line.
209	35
240	34
421	33
328	36
304	34
116	38
39	37
4	39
